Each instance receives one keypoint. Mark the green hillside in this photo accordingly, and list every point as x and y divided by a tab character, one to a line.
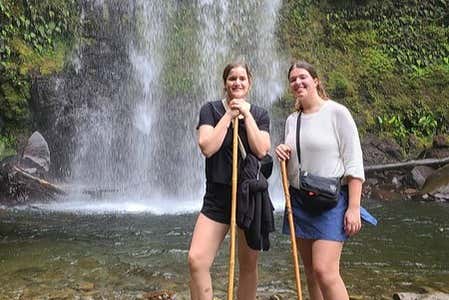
388	61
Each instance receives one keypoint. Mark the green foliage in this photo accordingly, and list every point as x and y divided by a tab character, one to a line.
34	36
419	121
413	34
15	105
395	125
387	61
375	63
427	125
339	86
300	30
38	23
7	146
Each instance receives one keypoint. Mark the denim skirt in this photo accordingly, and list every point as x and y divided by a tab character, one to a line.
328	225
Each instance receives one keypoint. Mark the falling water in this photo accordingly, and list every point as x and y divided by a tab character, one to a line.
140	144
232	30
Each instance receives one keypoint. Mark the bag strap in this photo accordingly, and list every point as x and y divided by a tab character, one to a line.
298	130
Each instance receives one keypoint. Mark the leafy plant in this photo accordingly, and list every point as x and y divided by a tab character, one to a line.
31	35
419	122
7	146
427	125
395	125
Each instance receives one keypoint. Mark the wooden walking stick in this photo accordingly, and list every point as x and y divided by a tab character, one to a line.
233	210
292	228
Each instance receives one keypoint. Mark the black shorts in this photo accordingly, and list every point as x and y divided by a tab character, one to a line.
217	202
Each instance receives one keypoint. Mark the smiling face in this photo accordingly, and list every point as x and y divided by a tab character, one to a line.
237	83
302	84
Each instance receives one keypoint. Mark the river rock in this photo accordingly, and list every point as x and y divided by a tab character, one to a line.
36	154
414	296
437	184
380	151
381	193
160	295
86	286
420	174
25	178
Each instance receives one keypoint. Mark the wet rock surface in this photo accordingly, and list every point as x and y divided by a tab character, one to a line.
415	296
420	182
24	178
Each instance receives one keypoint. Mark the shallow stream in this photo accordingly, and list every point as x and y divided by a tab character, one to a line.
47	254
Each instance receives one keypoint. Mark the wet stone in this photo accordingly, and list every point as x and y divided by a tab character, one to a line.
415	296
386	195
160	295
86	286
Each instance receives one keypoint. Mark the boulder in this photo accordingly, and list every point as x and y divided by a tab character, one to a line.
420	174
380	151
36	154
437	184
22	178
415	296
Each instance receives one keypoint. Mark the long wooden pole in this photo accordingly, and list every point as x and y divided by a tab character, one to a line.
233	210
292	229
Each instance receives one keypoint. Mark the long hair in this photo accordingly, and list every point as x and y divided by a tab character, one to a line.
312	71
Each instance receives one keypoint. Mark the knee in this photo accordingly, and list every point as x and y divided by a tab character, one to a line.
326	275
197	262
308	270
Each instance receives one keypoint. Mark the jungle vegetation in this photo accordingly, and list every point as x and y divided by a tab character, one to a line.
388	61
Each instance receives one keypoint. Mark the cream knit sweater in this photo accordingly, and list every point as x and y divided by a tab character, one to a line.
329	142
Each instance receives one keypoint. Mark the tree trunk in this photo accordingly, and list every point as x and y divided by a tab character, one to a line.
407	164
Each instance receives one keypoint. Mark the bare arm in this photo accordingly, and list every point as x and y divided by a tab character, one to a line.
352	221
211	138
355	192
259	140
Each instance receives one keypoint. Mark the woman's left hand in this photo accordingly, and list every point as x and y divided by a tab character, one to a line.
352	221
241	105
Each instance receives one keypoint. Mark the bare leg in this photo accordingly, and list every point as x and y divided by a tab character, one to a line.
326	268
305	250
247	269
207	238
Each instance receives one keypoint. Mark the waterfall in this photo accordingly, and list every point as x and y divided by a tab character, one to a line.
140	139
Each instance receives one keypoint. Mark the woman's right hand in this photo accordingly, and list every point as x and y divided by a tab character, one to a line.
233	113
283	152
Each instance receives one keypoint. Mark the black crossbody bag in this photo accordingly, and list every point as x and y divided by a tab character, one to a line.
316	193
